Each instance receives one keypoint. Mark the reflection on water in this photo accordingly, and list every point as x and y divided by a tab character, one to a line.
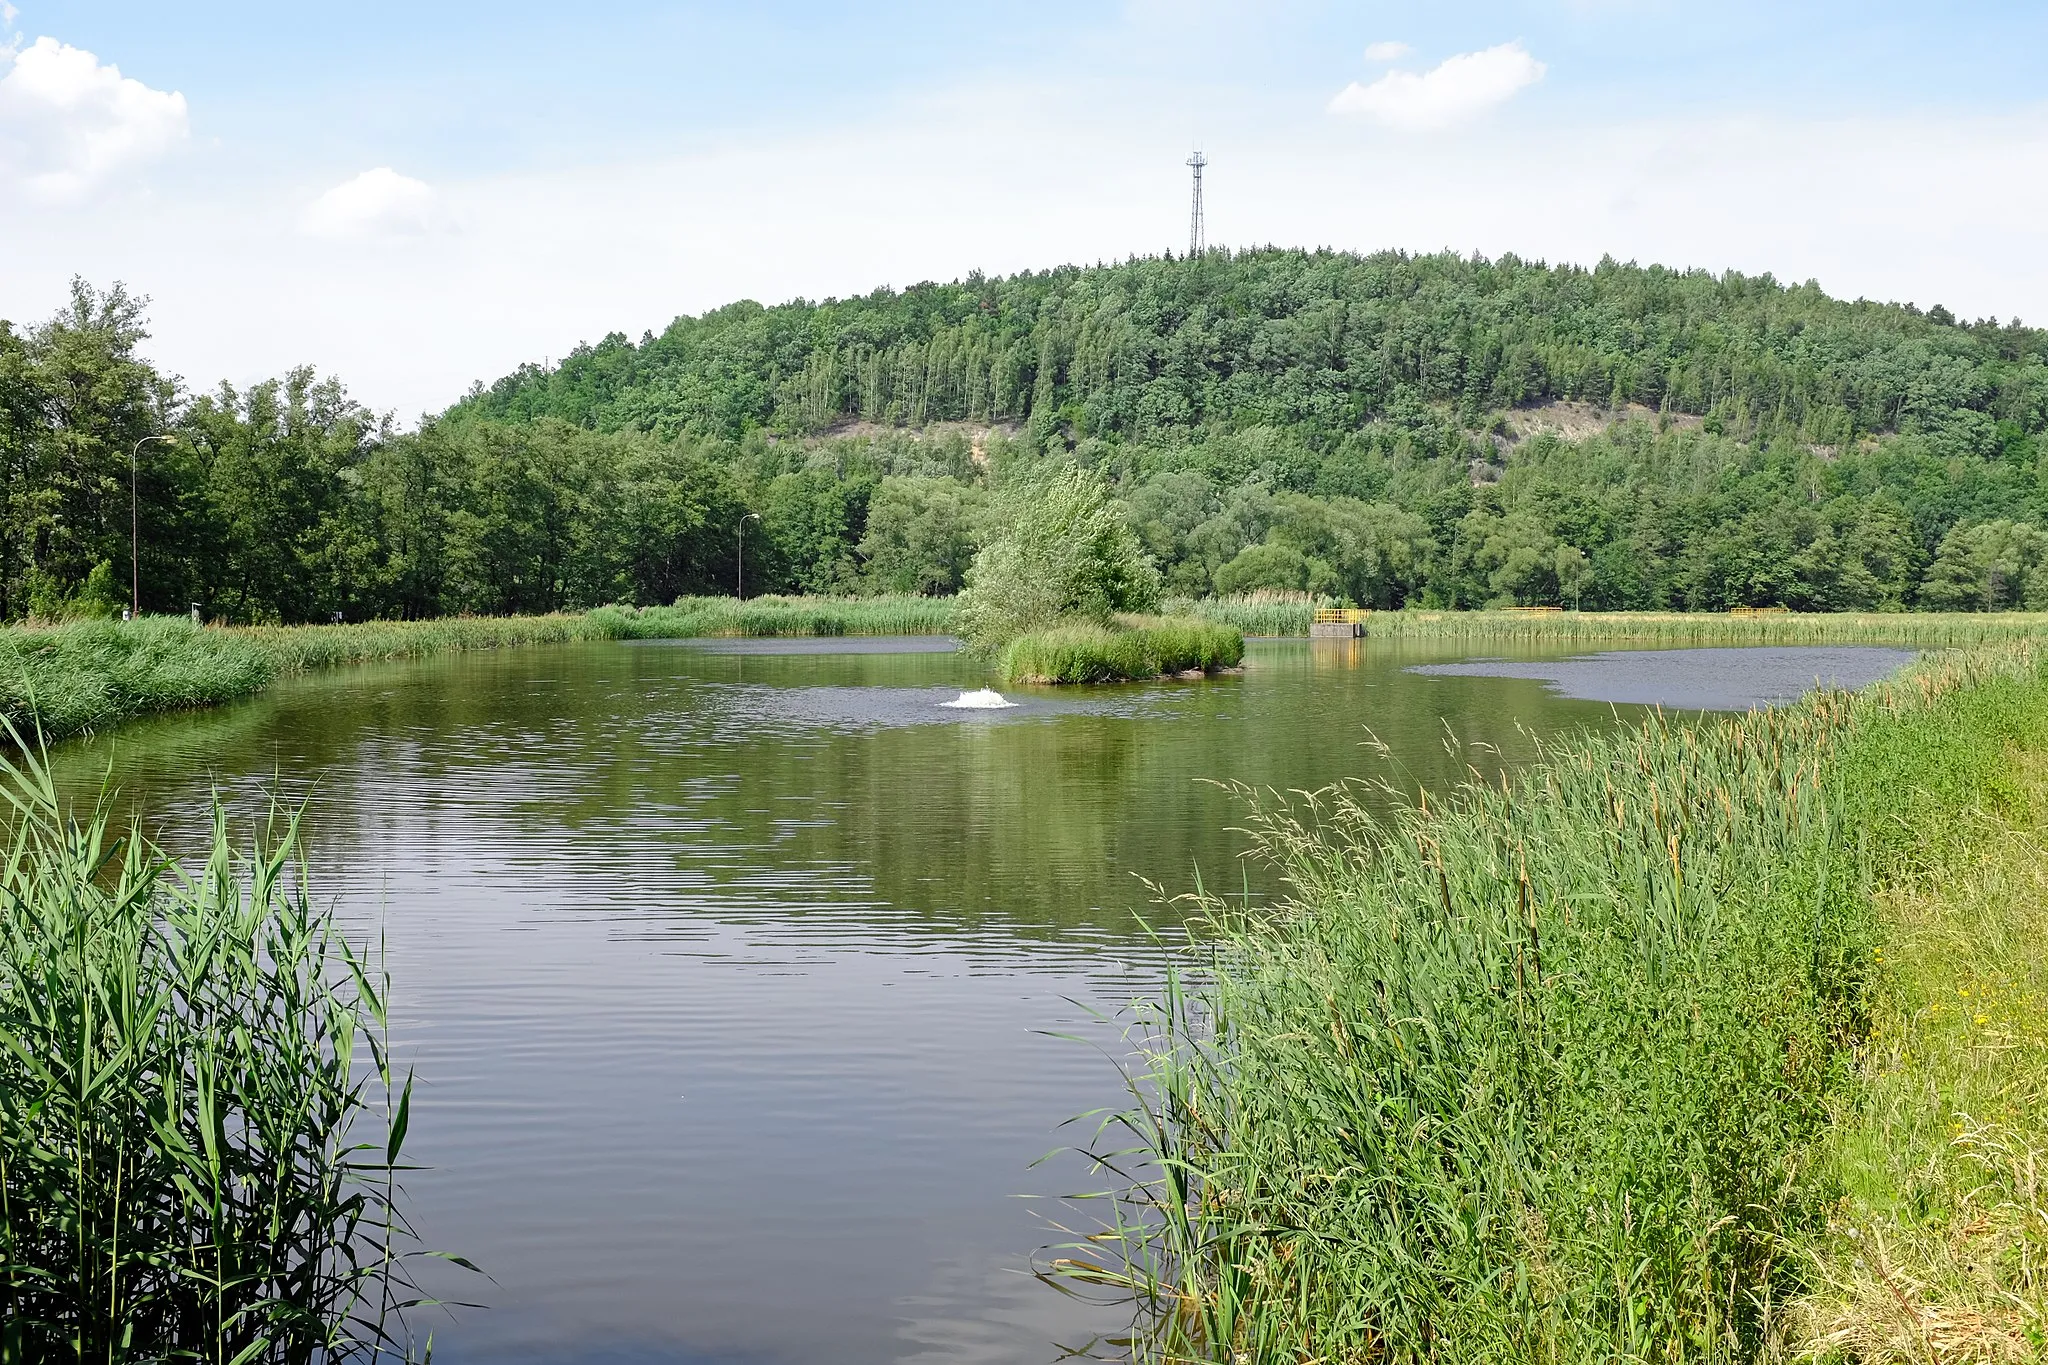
731	973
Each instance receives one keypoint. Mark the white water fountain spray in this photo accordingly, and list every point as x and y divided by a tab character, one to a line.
981	699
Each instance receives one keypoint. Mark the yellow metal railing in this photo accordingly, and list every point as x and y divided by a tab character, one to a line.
1344	616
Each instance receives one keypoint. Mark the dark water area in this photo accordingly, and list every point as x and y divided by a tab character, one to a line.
1692	679
734	971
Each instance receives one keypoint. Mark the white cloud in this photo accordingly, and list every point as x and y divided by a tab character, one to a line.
379	203
67	122
1387	52
1460	89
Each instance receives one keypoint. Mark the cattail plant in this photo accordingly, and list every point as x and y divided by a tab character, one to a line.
1543	1072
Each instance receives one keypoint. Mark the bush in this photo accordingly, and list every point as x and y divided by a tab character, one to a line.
1067	554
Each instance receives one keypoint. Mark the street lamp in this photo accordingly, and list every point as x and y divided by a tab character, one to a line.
135	526
742	566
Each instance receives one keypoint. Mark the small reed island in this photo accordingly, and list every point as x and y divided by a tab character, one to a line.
1065	594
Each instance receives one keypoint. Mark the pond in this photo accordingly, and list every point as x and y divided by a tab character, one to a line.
746	982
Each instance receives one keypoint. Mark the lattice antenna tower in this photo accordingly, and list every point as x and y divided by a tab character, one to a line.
1197	239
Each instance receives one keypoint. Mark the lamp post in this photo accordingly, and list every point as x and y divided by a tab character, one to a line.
742	566
135	526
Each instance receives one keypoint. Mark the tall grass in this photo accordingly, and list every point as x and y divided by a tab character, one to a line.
1266	612
771	616
1941	630
200	1126
73	677
1135	647
1278	613
1541	1073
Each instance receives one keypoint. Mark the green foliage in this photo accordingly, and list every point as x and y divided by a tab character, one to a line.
1064	553
1937	1249
1131	649
1989	566
1918	630
1320	343
921	535
1370	428
74	398
1255	613
200	1129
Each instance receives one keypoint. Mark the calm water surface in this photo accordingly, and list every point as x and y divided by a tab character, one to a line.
732	971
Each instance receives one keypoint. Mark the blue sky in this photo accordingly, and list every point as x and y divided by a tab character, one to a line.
415	196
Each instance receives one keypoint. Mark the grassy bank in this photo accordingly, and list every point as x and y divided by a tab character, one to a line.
89	674
200	1131
1134	648
1938	1250
1559	1070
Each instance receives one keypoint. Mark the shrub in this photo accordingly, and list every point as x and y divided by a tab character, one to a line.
1067	553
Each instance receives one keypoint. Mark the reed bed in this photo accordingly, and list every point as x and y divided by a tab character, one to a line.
200	1126
1133	648
1266	612
1285	614
773	616
1543	1072
75	677
1932	630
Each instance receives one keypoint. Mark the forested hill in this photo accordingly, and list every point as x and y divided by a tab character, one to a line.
1321	345
1388	430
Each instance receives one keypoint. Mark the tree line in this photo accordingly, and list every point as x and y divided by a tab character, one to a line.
1272	420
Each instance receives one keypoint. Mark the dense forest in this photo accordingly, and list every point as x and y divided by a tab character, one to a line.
1387	429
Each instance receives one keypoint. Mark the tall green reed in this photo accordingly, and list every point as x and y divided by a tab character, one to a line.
201	1128
1277	613
1265	612
1938	630
1534	1074
773	616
